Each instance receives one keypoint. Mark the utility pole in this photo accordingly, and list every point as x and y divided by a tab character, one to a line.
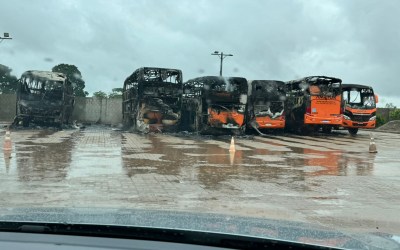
222	57
6	36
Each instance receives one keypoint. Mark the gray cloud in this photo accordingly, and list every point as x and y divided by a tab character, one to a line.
354	40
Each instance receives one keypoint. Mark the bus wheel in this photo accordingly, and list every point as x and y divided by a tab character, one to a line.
25	122
242	130
353	131
327	129
316	128
305	130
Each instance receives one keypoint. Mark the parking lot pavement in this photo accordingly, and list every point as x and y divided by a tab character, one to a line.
327	179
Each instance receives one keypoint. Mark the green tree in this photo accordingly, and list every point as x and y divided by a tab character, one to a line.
394	114
116	93
390	106
380	121
74	75
8	82
100	94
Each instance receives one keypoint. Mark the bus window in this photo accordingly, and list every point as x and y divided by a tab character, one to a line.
346	97
355	96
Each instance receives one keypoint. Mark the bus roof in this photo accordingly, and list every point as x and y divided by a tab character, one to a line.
199	82
216	79
44	75
266	82
144	69
315	79
356	86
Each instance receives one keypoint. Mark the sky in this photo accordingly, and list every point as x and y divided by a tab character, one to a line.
357	41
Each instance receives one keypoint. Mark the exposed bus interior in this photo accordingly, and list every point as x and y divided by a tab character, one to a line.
152	99
44	97
213	103
267	104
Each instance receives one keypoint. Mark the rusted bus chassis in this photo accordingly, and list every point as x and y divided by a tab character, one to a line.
360	107
214	104
266	105
44	98
152	99
313	103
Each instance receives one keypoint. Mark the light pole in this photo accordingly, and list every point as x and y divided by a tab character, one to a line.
222	57
5	37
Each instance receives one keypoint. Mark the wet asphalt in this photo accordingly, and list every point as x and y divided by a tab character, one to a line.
330	180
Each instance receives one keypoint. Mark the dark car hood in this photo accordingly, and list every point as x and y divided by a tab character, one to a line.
205	222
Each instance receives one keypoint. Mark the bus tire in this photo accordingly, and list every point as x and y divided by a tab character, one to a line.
327	129
352	131
25	122
305	130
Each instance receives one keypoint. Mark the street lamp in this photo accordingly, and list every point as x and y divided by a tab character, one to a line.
221	56
5	37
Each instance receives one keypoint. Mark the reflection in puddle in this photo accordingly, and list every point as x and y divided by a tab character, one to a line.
54	155
232	157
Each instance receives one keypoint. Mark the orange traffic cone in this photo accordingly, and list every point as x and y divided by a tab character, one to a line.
7	141
372	145
232	146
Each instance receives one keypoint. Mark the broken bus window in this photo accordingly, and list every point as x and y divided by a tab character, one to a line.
45	98
152	99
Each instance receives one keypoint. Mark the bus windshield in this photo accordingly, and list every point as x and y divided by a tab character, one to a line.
359	98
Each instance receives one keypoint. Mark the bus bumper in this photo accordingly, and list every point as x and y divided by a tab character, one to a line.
332	120
268	123
353	124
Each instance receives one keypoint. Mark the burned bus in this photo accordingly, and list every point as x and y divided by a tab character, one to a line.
152	99
266	105
214	104
314	103
360	107
44	98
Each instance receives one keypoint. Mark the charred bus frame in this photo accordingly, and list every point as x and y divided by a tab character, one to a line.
313	103
360	107
266	106
214	104
44	98
152	99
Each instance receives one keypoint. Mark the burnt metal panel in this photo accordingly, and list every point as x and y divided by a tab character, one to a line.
215	102
266	97
152	99
45	98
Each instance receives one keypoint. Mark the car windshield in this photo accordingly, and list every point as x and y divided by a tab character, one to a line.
227	116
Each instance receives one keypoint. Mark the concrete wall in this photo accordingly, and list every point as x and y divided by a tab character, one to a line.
95	110
7	107
87	109
383	112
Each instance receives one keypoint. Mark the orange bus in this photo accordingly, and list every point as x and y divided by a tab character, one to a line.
360	107
266	105
215	105
314	103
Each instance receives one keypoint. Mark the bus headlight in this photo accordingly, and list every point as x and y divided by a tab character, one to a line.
372	118
346	117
